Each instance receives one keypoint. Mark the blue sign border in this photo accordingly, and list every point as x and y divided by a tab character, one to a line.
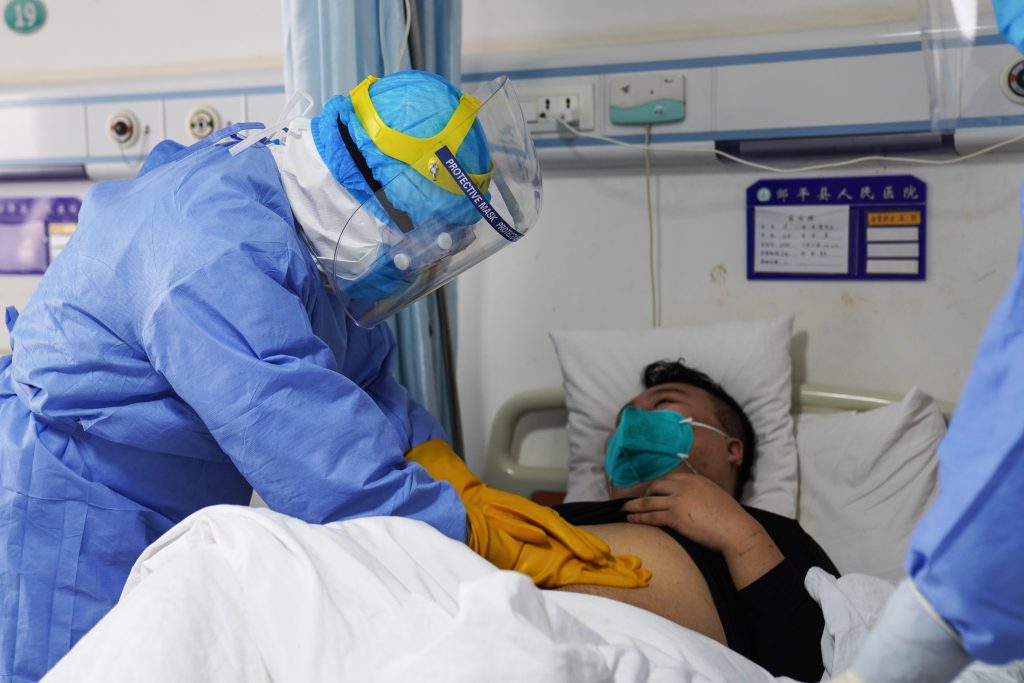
864	195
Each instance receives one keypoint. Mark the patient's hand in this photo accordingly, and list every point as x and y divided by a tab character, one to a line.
702	511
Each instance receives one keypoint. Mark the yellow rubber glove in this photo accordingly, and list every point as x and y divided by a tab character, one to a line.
515	533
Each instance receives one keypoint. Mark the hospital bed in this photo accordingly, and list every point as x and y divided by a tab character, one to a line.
896	436
245	594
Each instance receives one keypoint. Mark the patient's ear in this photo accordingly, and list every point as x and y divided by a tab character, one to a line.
734	450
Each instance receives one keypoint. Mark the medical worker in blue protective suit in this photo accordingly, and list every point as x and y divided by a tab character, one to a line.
196	340
964	598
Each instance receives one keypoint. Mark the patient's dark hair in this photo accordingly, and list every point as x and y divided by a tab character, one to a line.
727	410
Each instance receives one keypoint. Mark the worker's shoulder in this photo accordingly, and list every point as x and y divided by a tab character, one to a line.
212	193
213	173
195	208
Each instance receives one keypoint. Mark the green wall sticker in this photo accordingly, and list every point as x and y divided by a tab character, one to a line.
25	16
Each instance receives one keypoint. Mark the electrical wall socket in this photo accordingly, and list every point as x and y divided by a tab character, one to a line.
125	130
219	112
647	98
570	102
565	107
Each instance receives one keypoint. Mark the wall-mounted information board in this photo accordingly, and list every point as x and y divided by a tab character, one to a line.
854	228
33	230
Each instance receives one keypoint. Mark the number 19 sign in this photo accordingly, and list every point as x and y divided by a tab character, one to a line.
25	16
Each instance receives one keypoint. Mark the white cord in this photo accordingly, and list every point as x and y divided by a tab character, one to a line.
383	42
381	37
799	169
405	34
655	274
143	136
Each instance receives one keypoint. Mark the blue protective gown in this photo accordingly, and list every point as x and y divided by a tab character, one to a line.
180	352
967	553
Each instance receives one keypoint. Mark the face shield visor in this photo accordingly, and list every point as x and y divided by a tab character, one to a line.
949	31
461	195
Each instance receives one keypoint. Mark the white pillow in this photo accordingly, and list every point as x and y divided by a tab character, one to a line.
602	371
865	479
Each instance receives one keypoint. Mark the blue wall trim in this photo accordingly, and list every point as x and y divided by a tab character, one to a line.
133	158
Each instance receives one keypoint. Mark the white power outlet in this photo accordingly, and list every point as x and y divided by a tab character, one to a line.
572	103
555	107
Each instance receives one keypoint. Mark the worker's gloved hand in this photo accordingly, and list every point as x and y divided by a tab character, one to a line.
515	533
910	643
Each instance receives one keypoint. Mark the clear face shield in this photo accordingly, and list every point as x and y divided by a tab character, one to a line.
949	32
445	211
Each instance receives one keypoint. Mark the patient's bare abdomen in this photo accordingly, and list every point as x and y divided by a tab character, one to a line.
677	590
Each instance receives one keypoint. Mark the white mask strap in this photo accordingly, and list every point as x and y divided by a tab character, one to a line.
693	423
686	462
273	129
706	426
686	457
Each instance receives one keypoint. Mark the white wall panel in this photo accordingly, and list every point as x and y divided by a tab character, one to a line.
859	90
32	133
525	25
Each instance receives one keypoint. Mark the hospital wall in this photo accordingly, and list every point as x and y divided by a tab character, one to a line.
585	265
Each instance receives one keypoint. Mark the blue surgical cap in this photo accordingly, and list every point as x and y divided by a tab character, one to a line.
415	103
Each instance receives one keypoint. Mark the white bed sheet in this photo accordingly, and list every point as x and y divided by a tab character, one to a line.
852	605
242	594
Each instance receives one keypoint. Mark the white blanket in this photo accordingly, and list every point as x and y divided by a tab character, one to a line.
248	595
852	605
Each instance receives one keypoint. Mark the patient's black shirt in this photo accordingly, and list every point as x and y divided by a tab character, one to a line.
773	621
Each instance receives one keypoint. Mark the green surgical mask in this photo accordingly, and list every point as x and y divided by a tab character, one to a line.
648	444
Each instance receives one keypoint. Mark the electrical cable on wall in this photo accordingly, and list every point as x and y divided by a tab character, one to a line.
797	169
653	241
143	152
389	66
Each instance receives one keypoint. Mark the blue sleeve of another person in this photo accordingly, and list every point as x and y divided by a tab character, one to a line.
966	553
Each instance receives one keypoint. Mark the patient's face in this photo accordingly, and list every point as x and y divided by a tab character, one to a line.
713	455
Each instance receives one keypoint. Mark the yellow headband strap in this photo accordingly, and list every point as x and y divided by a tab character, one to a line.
419	153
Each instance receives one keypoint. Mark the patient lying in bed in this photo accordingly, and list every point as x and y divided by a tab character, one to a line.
731	572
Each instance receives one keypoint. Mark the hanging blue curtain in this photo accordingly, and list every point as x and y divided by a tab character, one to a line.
329	47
